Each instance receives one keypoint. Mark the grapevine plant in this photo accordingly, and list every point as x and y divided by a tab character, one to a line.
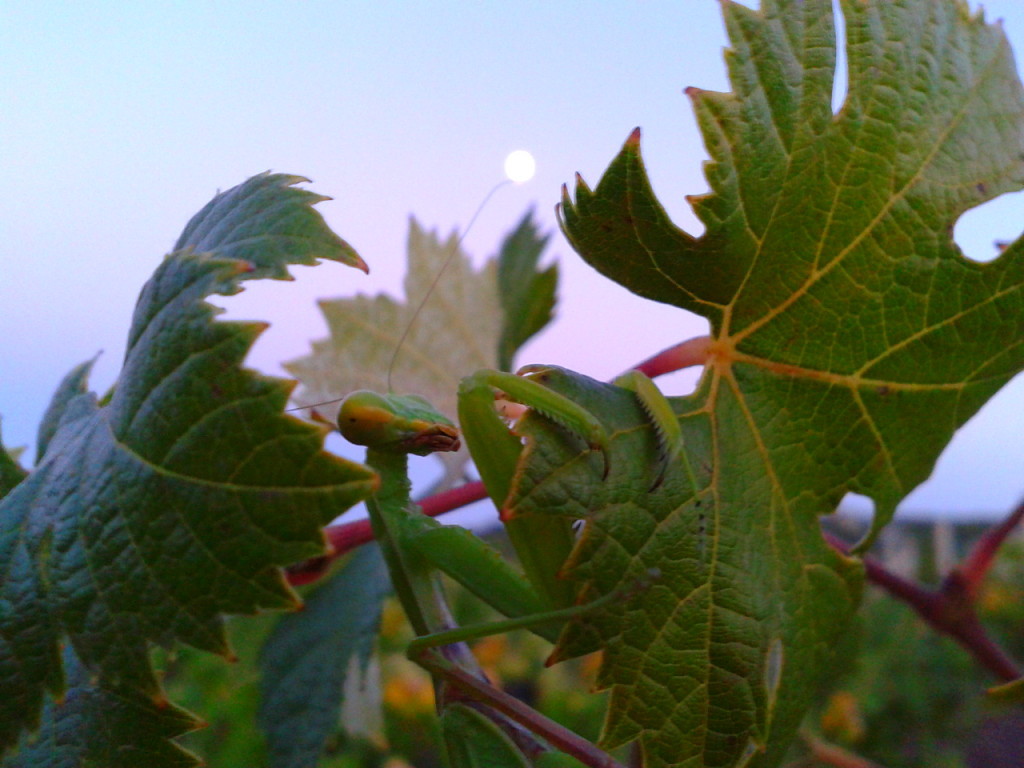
678	536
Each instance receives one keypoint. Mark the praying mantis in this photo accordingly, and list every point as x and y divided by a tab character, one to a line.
482	725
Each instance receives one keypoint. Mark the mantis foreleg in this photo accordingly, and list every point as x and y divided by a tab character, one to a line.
663	418
542	543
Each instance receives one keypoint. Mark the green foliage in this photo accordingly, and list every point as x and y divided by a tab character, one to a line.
474	741
902	695
227	695
527	295
116	726
75	383
150	516
11	472
304	663
850	339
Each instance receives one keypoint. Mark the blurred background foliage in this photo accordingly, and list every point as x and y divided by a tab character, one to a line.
901	696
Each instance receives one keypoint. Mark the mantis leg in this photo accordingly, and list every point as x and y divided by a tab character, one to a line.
559	615
478	567
542	543
664	419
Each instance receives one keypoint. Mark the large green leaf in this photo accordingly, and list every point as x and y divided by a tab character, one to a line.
305	661
177	500
850	339
109	726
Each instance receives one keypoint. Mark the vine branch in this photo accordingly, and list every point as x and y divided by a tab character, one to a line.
952	608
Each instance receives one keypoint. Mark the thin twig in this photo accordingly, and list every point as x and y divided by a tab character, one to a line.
682	355
835	756
557	735
950	610
979	560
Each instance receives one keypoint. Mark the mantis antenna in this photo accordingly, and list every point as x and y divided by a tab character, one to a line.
437	278
519	168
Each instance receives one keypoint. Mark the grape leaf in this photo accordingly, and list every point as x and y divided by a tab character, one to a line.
850	339
305	661
75	383
459	329
455	333
110	726
527	295
178	499
11	472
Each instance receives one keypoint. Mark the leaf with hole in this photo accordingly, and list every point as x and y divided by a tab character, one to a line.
849	340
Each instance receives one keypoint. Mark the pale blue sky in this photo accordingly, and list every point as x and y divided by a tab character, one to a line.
120	120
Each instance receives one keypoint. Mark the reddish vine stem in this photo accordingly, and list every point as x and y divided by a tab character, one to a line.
979	560
556	735
951	608
342	539
682	355
830	754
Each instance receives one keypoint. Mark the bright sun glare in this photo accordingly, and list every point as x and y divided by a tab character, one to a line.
520	166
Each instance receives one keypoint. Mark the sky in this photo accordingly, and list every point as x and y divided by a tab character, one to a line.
120	120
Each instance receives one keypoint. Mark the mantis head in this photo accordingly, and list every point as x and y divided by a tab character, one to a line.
399	423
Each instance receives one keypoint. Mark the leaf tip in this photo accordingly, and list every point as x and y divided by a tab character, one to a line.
582	190
1007	693
553	658
358	263
286	179
634	138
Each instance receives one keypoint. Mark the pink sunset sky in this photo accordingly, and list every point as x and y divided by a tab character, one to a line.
121	120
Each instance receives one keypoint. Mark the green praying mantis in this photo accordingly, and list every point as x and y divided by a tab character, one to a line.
482	725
